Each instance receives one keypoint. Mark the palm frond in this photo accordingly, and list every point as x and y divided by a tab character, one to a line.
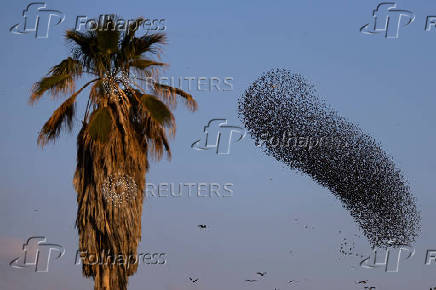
61	80
145	67
85	47
157	110
56	84
84	44
151	119
97	92
68	66
131	30
142	64
100	124
158	142
133	47
149	43
108	37
62	117
107	42
79	38
169	94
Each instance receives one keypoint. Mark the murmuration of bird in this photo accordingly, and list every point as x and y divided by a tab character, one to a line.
281	104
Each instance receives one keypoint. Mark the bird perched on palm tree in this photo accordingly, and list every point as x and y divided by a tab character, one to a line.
123	125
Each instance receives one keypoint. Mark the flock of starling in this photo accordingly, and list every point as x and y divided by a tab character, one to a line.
281	105
347	247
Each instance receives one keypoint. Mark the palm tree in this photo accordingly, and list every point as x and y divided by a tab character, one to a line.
123	124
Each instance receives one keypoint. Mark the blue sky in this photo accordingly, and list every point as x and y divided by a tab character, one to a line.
384	85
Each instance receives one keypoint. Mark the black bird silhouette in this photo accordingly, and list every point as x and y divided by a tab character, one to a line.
202	226
193	280
362	282
250	280
370	288
261	273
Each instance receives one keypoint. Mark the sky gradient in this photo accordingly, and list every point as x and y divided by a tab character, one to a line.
385	86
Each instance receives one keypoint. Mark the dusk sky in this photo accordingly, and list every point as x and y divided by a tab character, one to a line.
275	219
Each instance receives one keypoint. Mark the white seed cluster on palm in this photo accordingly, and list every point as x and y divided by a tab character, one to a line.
119	189
112	88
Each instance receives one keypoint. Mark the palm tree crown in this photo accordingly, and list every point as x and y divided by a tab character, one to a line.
118	64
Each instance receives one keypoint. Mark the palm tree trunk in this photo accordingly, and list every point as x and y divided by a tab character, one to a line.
104	226
105	280
102	281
